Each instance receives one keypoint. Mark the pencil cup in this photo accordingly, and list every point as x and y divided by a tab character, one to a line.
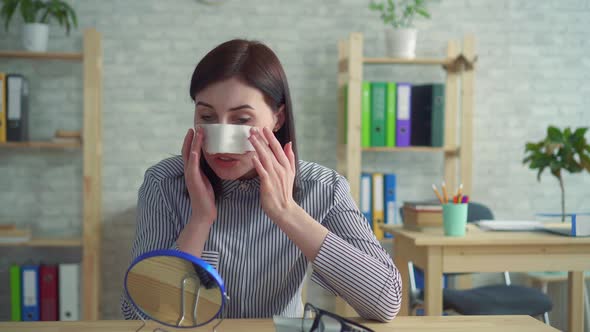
454	219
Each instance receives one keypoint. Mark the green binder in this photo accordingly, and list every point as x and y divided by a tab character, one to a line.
390	115
15	293
438	115
378	104
366	115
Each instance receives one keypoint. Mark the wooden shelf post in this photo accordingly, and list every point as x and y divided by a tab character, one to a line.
92	183
451	114
467	81
351	77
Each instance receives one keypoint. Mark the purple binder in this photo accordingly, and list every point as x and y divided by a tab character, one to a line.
404	109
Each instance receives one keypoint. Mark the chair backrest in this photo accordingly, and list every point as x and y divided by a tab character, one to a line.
477	211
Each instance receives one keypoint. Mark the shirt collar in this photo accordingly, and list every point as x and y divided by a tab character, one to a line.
248	185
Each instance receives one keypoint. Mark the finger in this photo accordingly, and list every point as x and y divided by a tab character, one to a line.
262	173
290	155
186	145
276	147
262	150
195	149
272	159
197	141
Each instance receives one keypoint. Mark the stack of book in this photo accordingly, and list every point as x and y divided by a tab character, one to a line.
11	234
67	136
422	214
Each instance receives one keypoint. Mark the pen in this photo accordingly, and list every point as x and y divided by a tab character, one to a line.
459	193
465	199
444	190
437	194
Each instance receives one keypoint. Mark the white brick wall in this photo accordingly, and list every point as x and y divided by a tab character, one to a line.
532	72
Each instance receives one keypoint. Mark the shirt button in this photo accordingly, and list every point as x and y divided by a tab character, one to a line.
244	186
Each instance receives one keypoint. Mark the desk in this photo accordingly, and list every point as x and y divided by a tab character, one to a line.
481	251
422	324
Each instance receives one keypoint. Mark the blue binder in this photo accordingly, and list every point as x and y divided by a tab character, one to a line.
30	292
366	198
390	201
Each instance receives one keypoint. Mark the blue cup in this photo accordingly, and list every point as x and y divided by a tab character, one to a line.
454	219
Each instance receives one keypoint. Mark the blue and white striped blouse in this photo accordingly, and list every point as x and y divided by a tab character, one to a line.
262	269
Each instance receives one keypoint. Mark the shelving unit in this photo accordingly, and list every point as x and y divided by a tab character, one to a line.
91	179
457	149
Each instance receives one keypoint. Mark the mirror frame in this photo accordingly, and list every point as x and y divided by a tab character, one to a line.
183	255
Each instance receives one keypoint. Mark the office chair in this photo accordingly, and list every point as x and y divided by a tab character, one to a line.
503	299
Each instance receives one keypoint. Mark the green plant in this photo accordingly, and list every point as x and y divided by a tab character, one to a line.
40	11
399	13
559	151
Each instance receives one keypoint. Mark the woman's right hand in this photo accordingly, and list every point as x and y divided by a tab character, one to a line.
199	188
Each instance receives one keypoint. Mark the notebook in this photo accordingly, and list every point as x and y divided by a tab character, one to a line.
576	228
509	225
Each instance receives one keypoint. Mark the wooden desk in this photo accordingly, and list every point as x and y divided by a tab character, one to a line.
422	324
481	251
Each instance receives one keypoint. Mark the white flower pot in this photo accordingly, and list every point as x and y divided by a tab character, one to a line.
35	37
401	43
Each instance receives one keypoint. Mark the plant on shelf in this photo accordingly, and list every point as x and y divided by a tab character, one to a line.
398	16
559	151
36	16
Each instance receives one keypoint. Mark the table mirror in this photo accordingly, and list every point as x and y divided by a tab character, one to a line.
175	289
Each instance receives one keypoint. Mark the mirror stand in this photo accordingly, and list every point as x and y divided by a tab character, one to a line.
186	278
198	291
143	322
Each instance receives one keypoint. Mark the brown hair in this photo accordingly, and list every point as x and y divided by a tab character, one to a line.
258	66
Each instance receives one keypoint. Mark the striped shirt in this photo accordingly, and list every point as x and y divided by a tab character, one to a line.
262	269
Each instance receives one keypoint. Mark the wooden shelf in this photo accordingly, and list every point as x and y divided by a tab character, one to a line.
42	55
46	242
415	61
411	149
42	144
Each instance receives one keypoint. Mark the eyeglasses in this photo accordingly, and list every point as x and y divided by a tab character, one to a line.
325	321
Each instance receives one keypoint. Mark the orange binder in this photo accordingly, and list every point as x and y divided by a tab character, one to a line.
2	107
378	204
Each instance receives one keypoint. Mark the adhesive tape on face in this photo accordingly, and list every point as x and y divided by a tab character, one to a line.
226	138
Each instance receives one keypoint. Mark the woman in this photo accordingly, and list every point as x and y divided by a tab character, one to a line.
261	216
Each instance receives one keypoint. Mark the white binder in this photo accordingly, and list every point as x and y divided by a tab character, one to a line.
365	203
69	291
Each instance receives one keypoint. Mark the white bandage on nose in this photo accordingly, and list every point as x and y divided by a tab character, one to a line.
226	138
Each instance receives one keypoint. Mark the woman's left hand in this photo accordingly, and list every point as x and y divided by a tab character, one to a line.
275	166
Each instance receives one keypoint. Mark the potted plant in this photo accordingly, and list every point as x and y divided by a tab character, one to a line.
400	37
36	16
559	151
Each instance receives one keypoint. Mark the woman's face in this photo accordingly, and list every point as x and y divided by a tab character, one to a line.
234	102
